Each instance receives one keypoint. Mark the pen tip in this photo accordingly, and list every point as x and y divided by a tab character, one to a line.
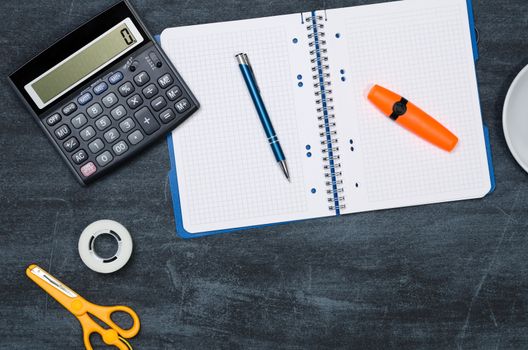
284	168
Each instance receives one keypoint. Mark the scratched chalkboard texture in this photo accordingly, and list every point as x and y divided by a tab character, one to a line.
443	276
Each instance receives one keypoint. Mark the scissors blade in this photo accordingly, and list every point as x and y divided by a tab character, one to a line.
52	281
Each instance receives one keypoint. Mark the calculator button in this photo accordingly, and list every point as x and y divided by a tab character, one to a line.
100	88
103	123
71	144
80	157
79	120
96	146
150	91
135	101
167	116
142	78
69	108
126	89
94	110
118	112
135	137
87	133
165	81
84	98
115	78
88	169
62	132
182	105
120	148
147	120
54	119
111	135
104	158
126	125
110	100
158	103
173	93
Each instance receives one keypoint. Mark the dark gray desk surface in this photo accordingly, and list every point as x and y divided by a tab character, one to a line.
435	277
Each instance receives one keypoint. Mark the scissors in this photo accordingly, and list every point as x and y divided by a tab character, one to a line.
84	311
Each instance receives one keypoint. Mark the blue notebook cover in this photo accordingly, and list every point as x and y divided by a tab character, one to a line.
174	181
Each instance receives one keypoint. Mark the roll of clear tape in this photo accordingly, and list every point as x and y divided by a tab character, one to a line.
89	255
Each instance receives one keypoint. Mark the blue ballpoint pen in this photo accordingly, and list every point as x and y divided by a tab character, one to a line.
251	82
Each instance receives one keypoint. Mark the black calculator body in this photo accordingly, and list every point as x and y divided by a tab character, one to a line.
104	92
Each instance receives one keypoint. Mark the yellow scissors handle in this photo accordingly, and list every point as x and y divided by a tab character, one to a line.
109	336
104	313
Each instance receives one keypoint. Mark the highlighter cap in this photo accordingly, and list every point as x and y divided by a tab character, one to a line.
383	98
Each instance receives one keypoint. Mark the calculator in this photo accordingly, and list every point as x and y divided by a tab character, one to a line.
104	92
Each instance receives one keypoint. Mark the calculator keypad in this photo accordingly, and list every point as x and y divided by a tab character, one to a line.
119	113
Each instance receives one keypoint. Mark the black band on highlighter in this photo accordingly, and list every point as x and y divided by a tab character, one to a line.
399	109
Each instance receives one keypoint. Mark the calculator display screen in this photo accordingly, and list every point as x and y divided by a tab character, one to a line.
84	63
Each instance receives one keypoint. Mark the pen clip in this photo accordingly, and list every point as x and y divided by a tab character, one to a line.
244	59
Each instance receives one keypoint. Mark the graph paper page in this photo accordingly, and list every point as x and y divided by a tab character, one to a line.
423	51
226	172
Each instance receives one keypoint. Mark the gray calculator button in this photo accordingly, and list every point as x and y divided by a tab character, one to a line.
146	120
126	89
142	78
69	108
120	148
94	110
173	93
182	105
103	123
165	81
79	120
111	135
104	158
96	146
126	125
115	78
71	144
87	133
135	137
62	132
150	91
80	157
54	119
135	101
158	103
100	88
167	115
110	100
118	112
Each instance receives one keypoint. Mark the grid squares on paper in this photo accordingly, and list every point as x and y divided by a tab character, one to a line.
424	56
226	170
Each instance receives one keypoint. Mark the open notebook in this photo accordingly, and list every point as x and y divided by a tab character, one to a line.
314	70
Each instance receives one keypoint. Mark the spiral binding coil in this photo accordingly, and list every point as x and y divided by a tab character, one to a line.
325	115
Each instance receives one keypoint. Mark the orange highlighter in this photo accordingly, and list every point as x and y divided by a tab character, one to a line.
412	118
